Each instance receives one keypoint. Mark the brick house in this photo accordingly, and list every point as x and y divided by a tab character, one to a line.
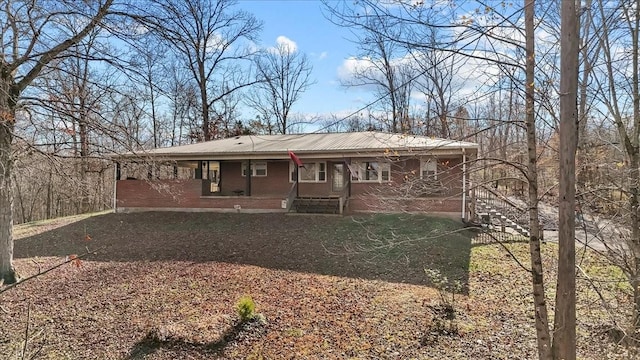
339	172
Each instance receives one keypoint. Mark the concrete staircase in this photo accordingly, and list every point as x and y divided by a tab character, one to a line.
316	205
496	211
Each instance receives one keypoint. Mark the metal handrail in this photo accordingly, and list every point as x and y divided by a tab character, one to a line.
502	198
344	196
292	195
501	203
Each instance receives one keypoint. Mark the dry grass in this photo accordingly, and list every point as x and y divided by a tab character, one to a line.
328	287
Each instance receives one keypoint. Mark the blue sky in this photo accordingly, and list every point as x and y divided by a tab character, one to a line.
326	45
329	46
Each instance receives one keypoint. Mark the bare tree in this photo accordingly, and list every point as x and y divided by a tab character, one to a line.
588	46
617	89
437	69
183	103
212	40
147	61
74	93
382	65
227	115
497	40
537	280
27	32
283	74
564	338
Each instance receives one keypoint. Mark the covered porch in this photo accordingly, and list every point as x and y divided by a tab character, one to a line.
270	185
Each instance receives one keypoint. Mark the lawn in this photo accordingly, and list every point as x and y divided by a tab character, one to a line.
165	285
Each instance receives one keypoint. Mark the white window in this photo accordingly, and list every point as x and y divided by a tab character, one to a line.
370	171
429	169
310	172
257	168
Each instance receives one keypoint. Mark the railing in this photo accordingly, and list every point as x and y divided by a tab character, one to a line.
482	190
511	214
293	192
489	236
344	196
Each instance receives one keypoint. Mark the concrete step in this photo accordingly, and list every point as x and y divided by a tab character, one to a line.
488	210
316	205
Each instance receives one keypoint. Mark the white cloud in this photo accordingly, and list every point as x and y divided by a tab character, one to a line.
140	29
253	47
468	75
351	66
283	42
368	67
323	55
215	43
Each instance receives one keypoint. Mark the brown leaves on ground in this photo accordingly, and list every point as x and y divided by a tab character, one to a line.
167	285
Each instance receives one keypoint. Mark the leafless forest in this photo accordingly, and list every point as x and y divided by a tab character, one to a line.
142	80
83	80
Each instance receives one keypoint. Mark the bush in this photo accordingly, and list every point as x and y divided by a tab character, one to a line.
444	314
246	307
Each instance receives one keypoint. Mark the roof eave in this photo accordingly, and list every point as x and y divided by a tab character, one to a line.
346	153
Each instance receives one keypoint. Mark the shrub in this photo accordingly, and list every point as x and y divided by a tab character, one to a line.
444	314
246	307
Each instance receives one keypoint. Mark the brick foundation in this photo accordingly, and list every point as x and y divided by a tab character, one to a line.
137	195
423	205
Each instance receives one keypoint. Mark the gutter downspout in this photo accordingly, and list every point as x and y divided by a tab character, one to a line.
464	185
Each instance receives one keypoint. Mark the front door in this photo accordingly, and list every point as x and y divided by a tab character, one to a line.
337	182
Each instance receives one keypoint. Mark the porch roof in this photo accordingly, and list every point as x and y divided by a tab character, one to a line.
314	145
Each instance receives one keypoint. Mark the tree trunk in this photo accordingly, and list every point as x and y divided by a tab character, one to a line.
7	122
154	116
582	175
84	161
634	195
540	304
48	213
634	157
207	133
634	177
9	94
17	191
564	338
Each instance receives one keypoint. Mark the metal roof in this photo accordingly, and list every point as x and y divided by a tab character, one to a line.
309	144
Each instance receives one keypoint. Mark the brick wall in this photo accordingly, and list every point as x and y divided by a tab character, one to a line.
314	189
381	204
184	194
268	192
449	177
276	183
390	196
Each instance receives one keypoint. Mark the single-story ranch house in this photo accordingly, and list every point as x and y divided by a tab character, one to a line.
318	172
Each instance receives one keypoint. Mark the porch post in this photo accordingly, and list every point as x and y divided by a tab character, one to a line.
118	171
199	170
297	181
348	174
247	190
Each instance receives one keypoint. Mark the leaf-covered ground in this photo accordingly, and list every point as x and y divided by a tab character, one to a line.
166	284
